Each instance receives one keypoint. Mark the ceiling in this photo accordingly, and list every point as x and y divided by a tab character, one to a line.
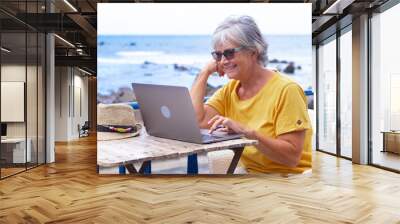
76	25
76	22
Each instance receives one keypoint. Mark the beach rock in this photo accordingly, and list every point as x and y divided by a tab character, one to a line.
125	94
274	61
106	98
185	68
148	63
180	67
210	90
289	68
122	95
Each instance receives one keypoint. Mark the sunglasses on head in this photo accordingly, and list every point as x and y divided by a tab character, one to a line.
228	53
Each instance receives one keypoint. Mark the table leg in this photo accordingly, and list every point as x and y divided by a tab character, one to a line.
192	167
238	153
384	142
144	169
131	168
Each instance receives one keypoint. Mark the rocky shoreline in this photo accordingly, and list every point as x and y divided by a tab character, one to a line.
122	95
125	94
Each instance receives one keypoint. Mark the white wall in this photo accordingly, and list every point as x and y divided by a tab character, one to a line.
62	81
33	126
80	110
12	73
71	94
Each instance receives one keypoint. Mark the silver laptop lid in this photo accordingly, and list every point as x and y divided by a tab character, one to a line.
167	112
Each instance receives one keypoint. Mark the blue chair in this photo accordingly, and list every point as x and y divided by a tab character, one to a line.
308	92
134	105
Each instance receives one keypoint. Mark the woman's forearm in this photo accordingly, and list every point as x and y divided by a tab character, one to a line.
197	94
277	150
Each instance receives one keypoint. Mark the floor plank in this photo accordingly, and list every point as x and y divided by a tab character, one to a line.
70	191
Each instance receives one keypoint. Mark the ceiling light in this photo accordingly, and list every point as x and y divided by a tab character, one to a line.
84	71
5	49
338	6
70	5
79	51
64	40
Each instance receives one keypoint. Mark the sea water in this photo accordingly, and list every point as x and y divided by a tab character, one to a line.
176	60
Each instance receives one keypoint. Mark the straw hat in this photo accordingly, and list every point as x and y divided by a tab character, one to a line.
116	121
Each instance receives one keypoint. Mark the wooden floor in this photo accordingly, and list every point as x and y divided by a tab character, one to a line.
10	171
70	191
387	159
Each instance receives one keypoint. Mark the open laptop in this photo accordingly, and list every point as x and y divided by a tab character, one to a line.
168	112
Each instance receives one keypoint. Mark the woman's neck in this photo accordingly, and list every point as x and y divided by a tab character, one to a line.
256	78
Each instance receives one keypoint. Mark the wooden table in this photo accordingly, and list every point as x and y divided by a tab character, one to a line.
13	150
144	148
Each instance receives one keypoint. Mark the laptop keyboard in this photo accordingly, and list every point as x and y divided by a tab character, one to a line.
206	137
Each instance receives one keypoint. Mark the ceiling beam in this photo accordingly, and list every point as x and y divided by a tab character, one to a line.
83	23
81	61
337	6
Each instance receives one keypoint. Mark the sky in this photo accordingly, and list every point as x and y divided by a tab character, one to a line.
199	18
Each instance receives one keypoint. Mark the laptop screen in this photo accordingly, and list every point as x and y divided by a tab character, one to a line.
3	129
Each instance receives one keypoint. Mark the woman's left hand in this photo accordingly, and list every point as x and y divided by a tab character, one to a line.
228	125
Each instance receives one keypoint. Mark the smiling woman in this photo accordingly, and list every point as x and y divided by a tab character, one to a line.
258	102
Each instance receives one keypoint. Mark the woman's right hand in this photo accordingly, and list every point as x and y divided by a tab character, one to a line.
214	66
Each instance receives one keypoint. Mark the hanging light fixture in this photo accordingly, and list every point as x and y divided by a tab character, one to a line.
70	5
5	50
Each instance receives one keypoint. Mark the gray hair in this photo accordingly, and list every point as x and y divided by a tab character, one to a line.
244	31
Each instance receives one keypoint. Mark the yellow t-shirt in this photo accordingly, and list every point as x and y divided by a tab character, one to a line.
279	107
